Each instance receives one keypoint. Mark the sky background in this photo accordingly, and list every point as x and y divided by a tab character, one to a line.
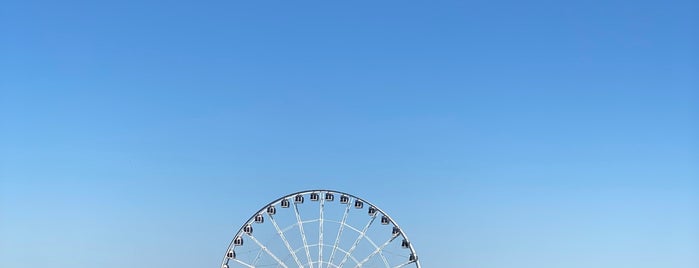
498	134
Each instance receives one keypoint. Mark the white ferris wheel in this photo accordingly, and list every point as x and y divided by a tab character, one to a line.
320	229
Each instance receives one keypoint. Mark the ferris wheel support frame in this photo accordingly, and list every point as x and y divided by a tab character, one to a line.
321	220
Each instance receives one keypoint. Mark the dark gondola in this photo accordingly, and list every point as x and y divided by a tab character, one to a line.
298	199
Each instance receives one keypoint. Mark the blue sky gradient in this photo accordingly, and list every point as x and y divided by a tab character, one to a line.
498	133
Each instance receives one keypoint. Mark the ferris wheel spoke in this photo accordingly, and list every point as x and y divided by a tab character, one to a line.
339	249
243	263
267	251
376	251
356	241
320	233
403	264
339	233
257	258
303	234
286	242
368	239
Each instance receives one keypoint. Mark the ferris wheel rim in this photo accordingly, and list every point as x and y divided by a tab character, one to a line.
262	210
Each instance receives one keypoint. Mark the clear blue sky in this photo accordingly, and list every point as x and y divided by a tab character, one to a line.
498	133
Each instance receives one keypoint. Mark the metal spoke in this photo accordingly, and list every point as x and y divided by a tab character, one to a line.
267	250
303	234
359	238
379	249
257	258
320	263
286	242
339	233
243	263
320	232
339	249
403	264
368	239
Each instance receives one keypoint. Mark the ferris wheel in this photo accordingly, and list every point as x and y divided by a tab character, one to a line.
320	229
